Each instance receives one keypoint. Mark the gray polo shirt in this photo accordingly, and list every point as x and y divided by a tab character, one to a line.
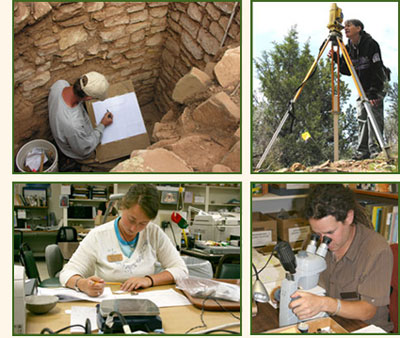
71	127
366	268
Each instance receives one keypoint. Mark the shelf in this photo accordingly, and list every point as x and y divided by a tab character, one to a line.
81	219
377	194
270	196
28	207
88	200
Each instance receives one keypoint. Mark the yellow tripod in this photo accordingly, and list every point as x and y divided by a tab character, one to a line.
335	37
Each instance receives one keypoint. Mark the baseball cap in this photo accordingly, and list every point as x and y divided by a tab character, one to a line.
96	85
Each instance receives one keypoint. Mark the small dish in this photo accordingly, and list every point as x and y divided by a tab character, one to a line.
40	304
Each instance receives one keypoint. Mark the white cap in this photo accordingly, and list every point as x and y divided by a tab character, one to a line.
96	86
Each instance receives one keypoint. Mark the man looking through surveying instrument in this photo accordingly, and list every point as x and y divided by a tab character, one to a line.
366	57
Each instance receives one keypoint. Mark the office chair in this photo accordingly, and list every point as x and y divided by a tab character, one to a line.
393	305
228	267
67	234
18	240
67	241
54	260
31	270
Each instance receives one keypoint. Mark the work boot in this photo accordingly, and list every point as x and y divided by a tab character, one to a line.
360	156
374	155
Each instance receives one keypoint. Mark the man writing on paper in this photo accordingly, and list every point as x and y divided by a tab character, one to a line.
69	121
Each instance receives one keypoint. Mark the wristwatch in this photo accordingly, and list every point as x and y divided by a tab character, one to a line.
76	288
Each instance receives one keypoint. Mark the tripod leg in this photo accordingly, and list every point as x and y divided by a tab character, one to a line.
364	99
285	117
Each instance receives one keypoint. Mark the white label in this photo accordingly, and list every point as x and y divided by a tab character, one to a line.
21	214
297	185
261	238
298	234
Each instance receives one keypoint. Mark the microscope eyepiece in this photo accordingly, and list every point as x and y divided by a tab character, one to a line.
314	237
326	240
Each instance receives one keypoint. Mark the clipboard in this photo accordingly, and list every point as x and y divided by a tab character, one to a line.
117	149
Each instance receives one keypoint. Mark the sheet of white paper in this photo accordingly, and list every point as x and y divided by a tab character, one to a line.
162	298
79	314
69	295
370	329
127	120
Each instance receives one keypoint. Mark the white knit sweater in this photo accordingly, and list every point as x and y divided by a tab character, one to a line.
93	256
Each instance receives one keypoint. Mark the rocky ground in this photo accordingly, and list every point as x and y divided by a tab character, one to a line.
377	165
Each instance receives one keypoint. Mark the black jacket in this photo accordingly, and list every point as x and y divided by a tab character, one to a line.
367	60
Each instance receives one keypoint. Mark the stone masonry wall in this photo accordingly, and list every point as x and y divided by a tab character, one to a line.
152	44
194	35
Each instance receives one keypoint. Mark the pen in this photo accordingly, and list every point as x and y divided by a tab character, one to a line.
109	283
109	113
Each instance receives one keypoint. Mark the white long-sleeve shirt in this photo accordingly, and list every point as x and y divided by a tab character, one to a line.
100	254
71	127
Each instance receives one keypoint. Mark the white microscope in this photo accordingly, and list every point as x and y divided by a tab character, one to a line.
302	273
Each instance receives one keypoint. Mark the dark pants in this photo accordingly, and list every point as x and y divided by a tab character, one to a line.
367	142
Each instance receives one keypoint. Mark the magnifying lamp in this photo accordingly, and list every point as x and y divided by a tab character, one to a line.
260	293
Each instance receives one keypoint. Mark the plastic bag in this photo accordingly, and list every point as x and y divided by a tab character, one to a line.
202	288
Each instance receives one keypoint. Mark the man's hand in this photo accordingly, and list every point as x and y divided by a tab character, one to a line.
374	102
92	286
308	305
107	119
135	283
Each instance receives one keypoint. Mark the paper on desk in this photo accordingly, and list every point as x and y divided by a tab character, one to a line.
69	295
79	314
274	270
127	118
162	298
370	329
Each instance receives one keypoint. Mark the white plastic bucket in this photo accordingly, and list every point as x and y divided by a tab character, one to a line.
48	148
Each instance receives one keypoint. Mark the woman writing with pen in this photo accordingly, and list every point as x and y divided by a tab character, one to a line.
125	250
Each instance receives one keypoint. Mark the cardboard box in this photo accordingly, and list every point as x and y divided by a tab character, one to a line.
264	230
293	229
99	219
313	326
117	149
288	189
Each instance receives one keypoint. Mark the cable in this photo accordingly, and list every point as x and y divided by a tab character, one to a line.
47	330
221	327
215	328
225	331
125	325
255	269
201	318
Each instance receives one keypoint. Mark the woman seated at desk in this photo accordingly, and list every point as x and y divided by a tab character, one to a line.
125	249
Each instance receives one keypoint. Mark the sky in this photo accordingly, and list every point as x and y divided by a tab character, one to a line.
273	20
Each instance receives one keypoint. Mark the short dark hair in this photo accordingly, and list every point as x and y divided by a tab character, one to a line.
78	89
145	195
334	200
355	22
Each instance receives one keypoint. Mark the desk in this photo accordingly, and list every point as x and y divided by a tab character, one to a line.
267	318
177	319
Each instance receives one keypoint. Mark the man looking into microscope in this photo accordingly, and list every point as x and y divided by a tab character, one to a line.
359	260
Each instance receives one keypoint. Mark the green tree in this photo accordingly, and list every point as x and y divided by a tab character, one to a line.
281	71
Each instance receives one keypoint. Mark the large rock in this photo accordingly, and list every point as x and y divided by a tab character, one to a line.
72	36
218	111
156	160
199	151
232	158
227	70
220	168
192	84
